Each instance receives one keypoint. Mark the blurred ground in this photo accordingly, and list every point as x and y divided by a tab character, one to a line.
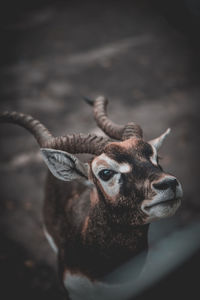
135	53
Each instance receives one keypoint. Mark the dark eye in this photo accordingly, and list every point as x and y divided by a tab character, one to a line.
106	174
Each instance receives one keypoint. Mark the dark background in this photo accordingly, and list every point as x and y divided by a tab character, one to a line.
142	55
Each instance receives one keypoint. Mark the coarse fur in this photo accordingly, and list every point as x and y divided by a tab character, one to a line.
96	230
97	212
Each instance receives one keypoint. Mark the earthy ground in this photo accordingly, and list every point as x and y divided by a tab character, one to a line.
134	53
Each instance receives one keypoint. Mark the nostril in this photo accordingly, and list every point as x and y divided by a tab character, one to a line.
161	185
174	184
165	184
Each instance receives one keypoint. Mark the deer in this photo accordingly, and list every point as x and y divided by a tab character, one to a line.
97	212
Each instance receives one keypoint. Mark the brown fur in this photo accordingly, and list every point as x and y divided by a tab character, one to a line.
105	243
94	235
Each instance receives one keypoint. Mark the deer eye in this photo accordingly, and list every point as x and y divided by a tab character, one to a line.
106	174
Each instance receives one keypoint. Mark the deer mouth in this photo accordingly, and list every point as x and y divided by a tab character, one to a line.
161	208
167	202
162	204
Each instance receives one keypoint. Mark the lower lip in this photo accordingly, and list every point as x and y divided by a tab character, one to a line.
164	203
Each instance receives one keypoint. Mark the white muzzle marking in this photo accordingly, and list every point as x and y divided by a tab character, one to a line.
164	204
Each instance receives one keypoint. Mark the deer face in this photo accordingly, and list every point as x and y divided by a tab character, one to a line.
129	176
126	175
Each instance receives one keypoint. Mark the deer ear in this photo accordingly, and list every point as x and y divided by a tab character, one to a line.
63	165
157	143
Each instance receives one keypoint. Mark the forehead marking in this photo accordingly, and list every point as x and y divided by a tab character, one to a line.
103	161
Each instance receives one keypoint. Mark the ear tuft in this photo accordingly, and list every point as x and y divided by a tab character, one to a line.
64	165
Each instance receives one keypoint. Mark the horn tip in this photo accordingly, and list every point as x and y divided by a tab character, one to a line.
168	130
88	101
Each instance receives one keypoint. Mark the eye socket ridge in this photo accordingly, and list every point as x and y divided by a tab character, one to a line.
106	174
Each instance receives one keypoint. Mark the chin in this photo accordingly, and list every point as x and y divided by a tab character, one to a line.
162	210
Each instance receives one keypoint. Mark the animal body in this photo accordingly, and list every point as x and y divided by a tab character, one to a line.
97	213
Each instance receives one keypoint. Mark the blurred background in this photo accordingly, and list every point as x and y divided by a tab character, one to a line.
142	55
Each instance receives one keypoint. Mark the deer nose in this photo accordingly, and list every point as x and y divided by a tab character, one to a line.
165	184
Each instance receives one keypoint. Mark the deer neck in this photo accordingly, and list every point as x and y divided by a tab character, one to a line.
112	243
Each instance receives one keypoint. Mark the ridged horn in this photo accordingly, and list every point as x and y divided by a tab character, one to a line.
79	143
115	131
39	131
76	143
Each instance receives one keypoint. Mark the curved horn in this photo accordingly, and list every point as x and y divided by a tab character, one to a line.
39	131
76	143
79	143
118	132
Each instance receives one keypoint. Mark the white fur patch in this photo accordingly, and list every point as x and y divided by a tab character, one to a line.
112	186
112	164
50	240
124	168
163	208
80	287
154	156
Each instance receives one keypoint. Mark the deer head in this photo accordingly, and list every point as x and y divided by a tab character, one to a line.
124	172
